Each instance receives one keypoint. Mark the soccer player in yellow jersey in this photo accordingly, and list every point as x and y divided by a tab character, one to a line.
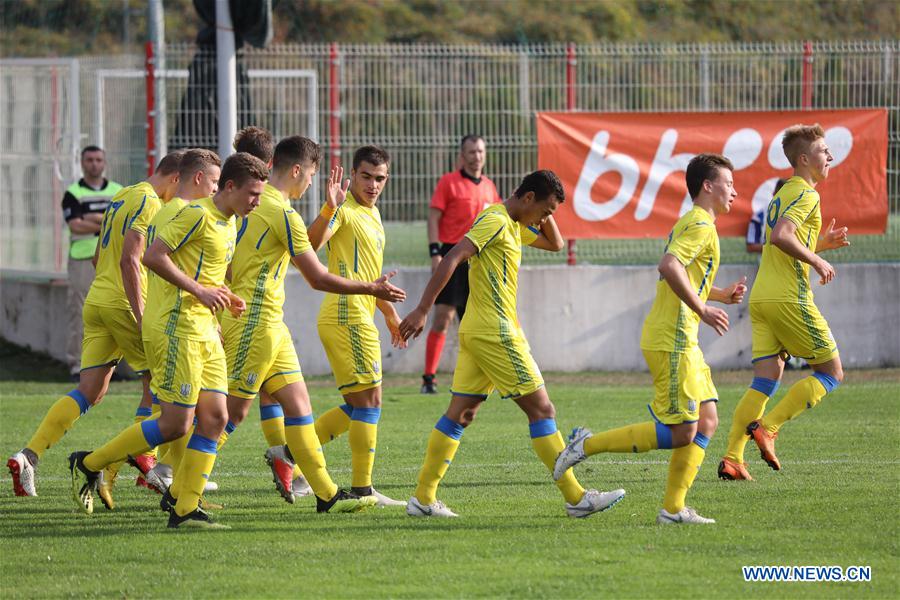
783	316
191	252
355	237
684	403
493	351
112	318
258	345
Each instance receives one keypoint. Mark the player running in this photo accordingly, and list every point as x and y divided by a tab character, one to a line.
684	403
493	351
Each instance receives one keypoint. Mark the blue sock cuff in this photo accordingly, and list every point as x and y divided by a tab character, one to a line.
270	411
828	382
542	428
367	415
150	429
202	444
765	386
296	421
701	440
154	398
663	436
143	411
230	427
83	404
449	427
195	421
347	409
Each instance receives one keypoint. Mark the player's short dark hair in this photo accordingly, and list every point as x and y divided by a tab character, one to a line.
295	150
797	139
704	167
91	148
242	167
545	184
470	137
373	155
197	159
170	163
256	141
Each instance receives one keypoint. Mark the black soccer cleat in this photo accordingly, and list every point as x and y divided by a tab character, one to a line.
344	502
428	384
84	482
167	502
196	519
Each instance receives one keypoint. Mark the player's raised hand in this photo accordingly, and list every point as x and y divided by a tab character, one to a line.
335	190
825	270
715	318
833	238
236	304
385	290
736	291
214	299
413	324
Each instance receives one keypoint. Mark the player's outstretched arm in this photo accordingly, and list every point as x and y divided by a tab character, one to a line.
550	238
414	322
130	265
677	278
832	238
392	320
784	237
318	278
158	259
733	294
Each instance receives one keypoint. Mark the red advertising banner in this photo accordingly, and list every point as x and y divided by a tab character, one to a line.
624	172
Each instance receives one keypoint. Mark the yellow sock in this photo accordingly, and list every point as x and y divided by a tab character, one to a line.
140	416
639	437
683	468
333	423
229	429
442	445
134	440
307	452
548	443
58	421
177	449
271	420
363	437
197	464
804	394
750	408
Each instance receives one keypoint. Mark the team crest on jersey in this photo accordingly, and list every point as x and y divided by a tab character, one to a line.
375	366
251	378
692	406
185	389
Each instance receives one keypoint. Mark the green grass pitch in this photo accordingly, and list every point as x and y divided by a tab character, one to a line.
834	503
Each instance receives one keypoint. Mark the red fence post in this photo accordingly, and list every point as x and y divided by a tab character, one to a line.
570	105
150	71
806	85
334	105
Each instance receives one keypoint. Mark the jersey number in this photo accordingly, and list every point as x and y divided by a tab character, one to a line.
108	219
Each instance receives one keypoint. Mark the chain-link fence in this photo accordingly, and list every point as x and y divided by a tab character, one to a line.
419	100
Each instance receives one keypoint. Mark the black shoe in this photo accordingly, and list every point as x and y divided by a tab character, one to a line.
196	519
167	502
84	482
344	502
428	385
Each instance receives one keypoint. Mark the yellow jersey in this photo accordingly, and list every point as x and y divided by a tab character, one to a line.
355	251
782	278
671	325
202	242
154	282
131	208
266	241
494	272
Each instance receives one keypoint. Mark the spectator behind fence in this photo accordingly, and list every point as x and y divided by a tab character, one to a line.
457	200
83	205
757	228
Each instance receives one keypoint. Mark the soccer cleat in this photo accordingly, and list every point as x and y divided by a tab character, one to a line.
300	487
593	502
84	482
22	472
159	478
686	515
105	487
765	441
428	384
381	500
573	453
730	470
142	462
344	502
196	519
414	508
282	472
167	502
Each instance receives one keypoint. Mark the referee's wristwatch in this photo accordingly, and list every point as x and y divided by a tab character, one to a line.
434	249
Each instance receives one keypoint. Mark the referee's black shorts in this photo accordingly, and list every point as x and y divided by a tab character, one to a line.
456	292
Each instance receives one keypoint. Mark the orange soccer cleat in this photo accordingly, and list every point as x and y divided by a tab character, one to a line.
731	470
765	441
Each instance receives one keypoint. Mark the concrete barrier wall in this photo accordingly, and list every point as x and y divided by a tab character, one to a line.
576	318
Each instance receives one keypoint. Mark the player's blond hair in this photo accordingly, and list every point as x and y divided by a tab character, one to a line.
197	159
797	139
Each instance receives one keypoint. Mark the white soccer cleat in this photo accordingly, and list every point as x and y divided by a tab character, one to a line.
300	487
159	477
414	508
381	500
686	515
593	502
573	453
22	474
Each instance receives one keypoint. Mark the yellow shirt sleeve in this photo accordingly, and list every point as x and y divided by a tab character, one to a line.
486	229
687	243
293	233
144	214
177	232
799	209
337	219
529	233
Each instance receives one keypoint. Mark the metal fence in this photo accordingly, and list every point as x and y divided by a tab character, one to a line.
418	100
